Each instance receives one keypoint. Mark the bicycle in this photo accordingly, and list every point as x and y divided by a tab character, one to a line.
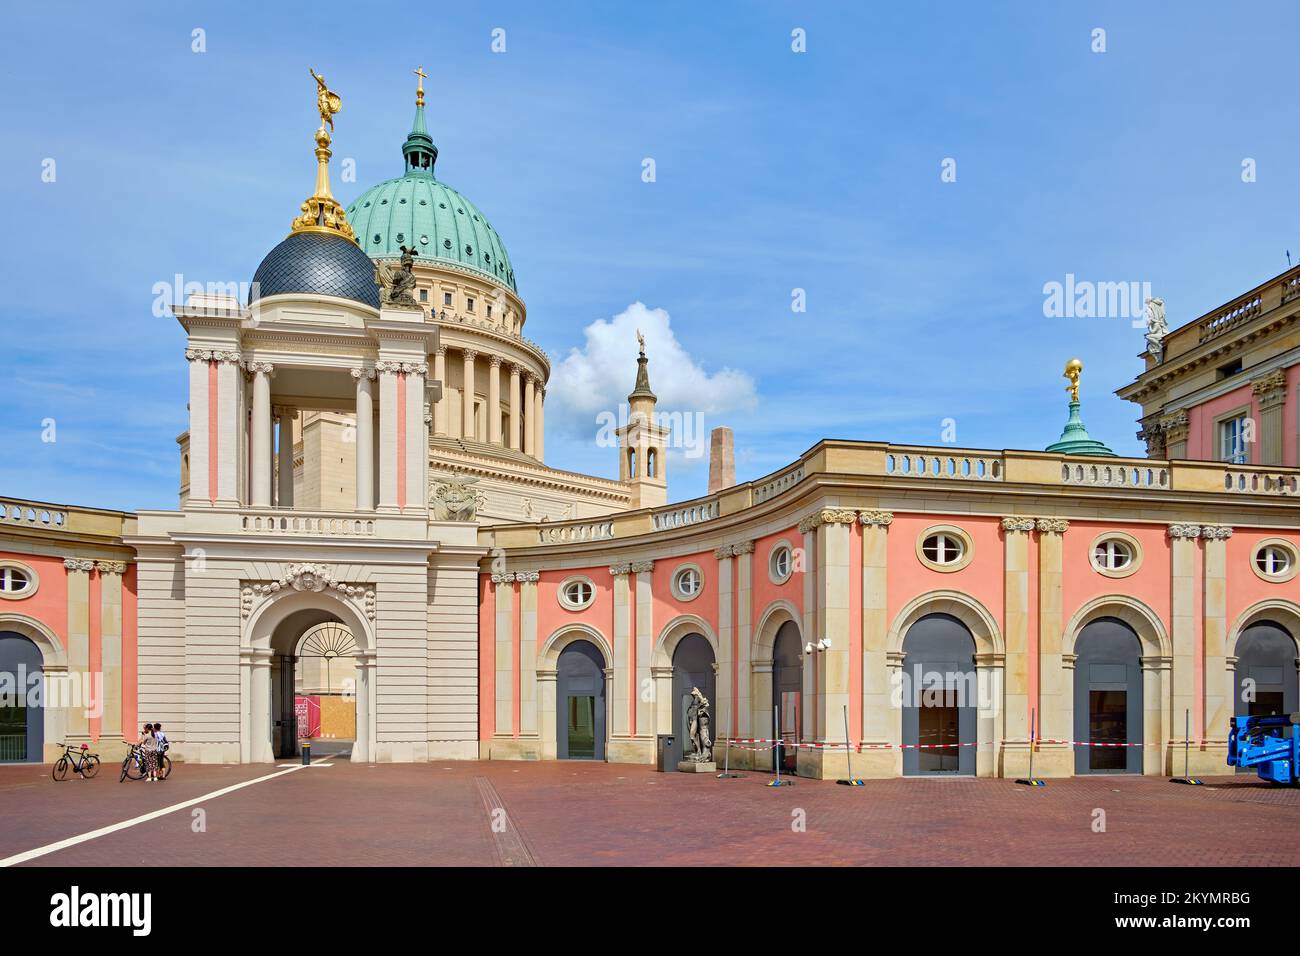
133	766
84	762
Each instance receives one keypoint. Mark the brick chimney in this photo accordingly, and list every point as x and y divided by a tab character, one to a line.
722	459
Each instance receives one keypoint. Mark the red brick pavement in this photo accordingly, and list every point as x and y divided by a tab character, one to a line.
605	814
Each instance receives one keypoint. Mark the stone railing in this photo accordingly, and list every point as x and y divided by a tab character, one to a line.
1236	314
1261	482
693	512
575	531
772	487
919	463
31	515
1131	474
306	523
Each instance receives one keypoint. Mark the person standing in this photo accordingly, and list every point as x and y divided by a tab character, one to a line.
149	753
163	745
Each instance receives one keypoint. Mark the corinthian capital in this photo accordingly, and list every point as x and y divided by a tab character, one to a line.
1018	524
1216	532
1053	526
1184	531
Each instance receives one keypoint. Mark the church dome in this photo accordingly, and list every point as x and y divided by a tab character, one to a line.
418	211
317	263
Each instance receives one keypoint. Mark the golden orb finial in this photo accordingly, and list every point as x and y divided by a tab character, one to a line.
1073	369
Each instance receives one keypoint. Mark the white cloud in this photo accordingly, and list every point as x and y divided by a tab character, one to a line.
598	376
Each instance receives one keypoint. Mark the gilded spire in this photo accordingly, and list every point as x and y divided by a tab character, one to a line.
1075	439
1073	369
321	212
418	150
419	90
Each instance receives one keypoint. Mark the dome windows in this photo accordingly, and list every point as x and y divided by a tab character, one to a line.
424	240
446	243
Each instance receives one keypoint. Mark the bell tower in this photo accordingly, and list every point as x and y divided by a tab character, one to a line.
642	442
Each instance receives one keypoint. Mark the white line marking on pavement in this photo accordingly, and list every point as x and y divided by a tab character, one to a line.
143	818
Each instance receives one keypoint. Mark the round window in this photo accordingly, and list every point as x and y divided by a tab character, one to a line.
577	593
780	563
1112	555
1275	560
16	581
687	583
943	548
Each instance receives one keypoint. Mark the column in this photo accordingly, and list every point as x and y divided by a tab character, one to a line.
527	652
260	493
529	423
201	492
365	463
467	396
494	400
623	720
1055	696
225	421
1270	394
808	629
440	375
416	449
724	708
1015	584
388	412
539	441
284	498
1177	429
1155	730
1183	587
366	747
79	686
990	715
110	637
260	747
648	686
833	663
1216	679
876	706
515	423
503	589
744	625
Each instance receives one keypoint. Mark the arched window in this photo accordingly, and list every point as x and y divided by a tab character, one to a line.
651	463
631	463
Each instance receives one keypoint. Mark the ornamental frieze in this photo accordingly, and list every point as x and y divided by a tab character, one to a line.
312	578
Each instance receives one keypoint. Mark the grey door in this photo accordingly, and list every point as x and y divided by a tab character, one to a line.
1108	698
692	667
787	691
1266	679
580	703
940	699
22	714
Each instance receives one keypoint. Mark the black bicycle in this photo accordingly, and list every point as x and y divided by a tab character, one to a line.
133	765
80	760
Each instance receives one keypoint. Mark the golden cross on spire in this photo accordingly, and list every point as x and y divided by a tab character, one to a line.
419	92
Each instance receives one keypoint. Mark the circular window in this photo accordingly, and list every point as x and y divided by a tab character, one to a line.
944	548
446	243
402	201
1275	560
401	237
1115	554
688	582
424	240
378	238
780	563
16	581
469	250
383	202
577	593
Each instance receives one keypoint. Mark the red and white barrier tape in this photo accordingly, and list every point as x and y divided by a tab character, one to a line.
738	743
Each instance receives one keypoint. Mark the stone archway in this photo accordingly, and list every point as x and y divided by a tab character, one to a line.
1264	647
257	651
761	691
54	677
1156	662
548	660
661	667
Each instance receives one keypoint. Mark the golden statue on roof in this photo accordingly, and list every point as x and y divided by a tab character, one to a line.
327	101
1073	369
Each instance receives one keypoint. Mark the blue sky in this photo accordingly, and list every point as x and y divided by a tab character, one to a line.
775	170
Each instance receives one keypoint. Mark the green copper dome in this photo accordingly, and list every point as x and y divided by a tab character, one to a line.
1075	439
418	211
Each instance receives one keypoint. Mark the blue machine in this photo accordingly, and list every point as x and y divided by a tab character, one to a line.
1269	744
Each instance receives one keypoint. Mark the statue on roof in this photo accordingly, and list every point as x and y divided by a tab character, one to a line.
1157	329
397	285
327	101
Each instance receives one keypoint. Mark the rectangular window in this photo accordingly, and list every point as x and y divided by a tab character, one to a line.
1233	435
489	311
469	304
446	298
424	295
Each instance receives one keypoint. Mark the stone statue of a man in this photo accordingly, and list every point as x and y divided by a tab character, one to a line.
1157	329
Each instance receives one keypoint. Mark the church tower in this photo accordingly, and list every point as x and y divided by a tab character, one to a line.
641	442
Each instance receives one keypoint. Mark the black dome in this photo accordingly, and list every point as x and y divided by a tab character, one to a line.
317	264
